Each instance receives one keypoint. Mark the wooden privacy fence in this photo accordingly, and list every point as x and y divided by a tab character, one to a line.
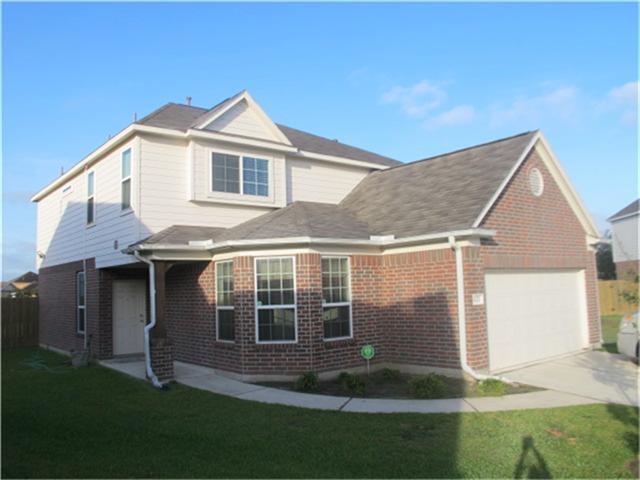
612	301
19	322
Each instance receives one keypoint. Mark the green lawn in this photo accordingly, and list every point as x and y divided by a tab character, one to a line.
610	324
93	422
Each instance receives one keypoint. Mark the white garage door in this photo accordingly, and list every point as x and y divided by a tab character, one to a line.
533	315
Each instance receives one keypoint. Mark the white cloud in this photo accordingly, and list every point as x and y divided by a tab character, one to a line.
416	100
625	99
456	116
559	103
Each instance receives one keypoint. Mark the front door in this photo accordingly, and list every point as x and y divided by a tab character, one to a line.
129	316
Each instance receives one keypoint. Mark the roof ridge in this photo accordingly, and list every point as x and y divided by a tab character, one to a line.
459	150
155	112
335	140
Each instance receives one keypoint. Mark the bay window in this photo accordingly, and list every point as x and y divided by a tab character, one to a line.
275	300
336	297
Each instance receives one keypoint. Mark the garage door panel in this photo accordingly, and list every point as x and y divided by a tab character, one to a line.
533	315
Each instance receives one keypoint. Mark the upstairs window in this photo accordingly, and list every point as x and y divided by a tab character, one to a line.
241	175
80	302
255	176
224	301
336	297
275	300
226	173
125	203
91	203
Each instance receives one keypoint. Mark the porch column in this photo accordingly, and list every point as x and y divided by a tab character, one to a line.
161	346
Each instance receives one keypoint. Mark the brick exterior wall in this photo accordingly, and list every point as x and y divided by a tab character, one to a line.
628	270
162	358
540	233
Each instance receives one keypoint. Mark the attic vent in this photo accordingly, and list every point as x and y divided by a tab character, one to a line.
536	182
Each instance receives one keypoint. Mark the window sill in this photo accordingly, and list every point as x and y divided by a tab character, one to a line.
128	211
337	339
225	342
90	225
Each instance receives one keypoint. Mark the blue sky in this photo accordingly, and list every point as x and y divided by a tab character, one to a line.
405	80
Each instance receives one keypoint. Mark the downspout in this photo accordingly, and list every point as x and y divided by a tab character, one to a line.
462	323
152	323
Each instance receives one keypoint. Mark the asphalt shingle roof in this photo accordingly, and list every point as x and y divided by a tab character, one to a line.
181	235
438	194
633	207
183	117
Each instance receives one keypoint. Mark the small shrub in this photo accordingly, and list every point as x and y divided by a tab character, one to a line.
426	386
307	382
356	385
390	374
492	388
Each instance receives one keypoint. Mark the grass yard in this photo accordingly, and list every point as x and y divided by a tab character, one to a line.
94	422
610	324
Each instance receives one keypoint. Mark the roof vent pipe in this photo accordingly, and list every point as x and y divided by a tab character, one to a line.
189	101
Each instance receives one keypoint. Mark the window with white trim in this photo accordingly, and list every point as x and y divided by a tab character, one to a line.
247	177
336	297
91	201
125	186
225	314
275	299
81	307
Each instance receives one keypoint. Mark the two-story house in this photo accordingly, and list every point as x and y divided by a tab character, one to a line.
625	233
218	237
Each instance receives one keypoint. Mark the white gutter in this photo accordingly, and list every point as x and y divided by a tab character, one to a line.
462	323
152	323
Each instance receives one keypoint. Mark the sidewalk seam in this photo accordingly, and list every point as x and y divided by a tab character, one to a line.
344	404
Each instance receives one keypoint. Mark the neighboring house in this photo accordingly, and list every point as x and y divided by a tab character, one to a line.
624	237
26	285
274	252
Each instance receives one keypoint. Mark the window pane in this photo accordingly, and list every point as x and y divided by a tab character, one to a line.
80	289
90	184
226	325
276	325
81	320
126	163
224	283
126	194
336	322
90	211
335	280
255	177
225	173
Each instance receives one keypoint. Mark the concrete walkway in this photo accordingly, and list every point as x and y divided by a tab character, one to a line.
601	376
205	378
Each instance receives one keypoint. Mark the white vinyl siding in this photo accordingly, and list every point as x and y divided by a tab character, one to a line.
624	239
317	181
225	315
241	120
167	182
62	218
275	297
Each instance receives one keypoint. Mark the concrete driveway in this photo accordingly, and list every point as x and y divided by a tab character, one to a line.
597	375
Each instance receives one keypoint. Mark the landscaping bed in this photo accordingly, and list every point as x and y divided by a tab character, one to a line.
389	383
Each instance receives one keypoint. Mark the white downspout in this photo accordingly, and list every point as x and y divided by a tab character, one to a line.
462	323
152	323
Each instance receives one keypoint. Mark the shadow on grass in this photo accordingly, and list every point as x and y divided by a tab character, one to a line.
531	463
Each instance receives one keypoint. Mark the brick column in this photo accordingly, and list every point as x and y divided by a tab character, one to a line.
161	346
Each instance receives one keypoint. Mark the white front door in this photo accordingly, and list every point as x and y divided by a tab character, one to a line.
534	314
129	316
